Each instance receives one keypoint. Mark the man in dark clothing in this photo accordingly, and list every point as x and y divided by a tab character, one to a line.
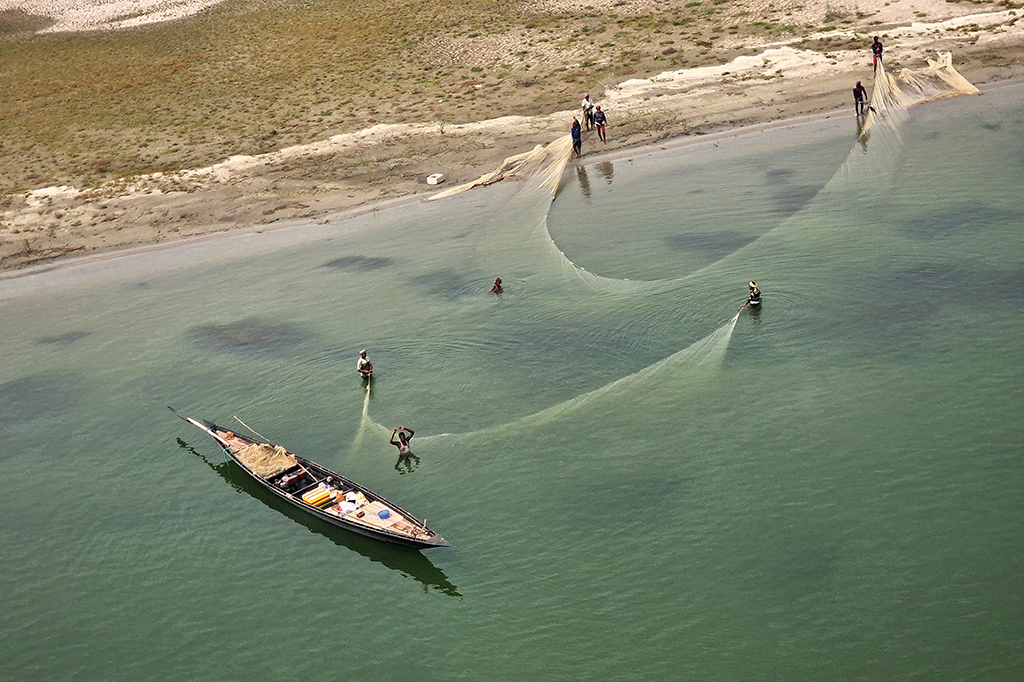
577	138
859	93
755	296
600	120
876	50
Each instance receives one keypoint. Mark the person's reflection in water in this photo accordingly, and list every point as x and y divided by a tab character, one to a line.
581	175
862	135
606	169
755	315
407	464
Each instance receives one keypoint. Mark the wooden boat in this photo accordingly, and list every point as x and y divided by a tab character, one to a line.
321	492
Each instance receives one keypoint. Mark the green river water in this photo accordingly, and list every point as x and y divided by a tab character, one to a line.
635	487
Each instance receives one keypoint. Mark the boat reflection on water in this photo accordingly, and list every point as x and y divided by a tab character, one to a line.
409	562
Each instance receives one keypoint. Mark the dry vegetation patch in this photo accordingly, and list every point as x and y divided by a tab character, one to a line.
253	76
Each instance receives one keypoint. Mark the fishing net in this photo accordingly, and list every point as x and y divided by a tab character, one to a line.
891	96
546	161
266	460
894	93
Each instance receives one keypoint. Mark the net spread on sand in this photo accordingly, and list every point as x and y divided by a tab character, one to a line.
547	161
894	93
891	97
266	460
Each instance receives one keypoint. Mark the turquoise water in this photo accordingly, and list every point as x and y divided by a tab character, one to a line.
635	485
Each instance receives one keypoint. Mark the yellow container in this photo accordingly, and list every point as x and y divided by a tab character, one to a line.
316	497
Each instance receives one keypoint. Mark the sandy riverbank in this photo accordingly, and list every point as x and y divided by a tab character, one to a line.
808	74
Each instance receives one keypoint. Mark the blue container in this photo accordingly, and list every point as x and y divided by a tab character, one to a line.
383	513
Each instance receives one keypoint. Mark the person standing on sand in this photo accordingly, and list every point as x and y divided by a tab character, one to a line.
588	111
876	51
600	120
859	93
577	138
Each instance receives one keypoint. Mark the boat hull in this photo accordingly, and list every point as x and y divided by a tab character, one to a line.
340	521
403	529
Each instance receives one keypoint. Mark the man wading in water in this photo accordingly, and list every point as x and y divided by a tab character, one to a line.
364	366
755	296
405	456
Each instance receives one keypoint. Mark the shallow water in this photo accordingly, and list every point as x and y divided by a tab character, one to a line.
634	487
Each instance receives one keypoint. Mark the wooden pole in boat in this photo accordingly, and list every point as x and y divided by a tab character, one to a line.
254	431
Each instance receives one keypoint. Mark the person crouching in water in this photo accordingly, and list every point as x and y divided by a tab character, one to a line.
755	295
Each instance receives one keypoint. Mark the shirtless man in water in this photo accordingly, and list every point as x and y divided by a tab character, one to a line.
407	462
403	440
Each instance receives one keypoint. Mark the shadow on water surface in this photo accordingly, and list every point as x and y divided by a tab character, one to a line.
446	284
962	219
940	283
788	198
65	339
628	499
37	396
358	263
779	176
251	334
713	244
793	198
792	564
409	562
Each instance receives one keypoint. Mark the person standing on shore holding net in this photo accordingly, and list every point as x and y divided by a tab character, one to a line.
577	138
876	52
859	94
